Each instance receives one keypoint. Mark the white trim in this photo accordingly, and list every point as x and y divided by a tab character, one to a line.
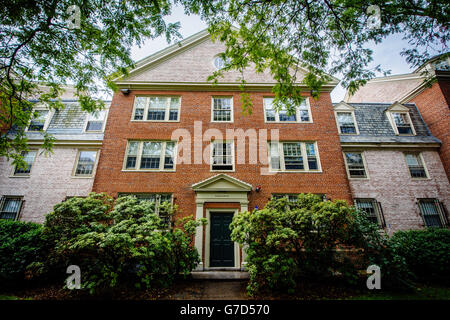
139	156
12	175
297	112
77	158
363	157
39	107
419	154
86	121
212	109
146	106
304	157
211	149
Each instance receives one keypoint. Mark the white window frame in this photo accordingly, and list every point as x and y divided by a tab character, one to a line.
103	124
94	168
377	208
364	163
41	107
336	112
297	113
440	211
304	156
211	155
398	108
419	155
167	111
13	175
231	113
161	159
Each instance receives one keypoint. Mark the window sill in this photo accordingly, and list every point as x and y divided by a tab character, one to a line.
296	171
212	121
82	177
290	122
13	176
358	179
420	179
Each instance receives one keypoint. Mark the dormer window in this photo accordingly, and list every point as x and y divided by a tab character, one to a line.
402	122
40	120
95	121
345	119
400	119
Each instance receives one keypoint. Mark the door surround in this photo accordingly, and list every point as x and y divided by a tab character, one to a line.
237	262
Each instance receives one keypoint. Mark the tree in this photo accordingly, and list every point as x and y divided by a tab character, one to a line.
323	37
57	42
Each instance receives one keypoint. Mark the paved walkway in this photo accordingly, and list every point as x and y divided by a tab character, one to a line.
210	290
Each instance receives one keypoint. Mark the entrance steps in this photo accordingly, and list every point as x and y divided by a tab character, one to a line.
219	275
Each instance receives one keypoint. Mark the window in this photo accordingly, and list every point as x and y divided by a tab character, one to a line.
85	163
157	198
219	62
29	158
10	207
156	108
222	156
433	213
415	165
293	156
372	208
39	120
346	122
222	110
355	165
150	155
96	121
302	112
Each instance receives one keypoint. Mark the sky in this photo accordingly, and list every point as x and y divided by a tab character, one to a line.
386	54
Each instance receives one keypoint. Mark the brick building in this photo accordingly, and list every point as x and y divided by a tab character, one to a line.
428	87
393	165
28	194
168	136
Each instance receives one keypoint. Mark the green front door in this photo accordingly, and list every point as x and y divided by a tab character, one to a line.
221	246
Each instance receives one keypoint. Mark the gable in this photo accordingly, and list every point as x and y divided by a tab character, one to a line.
397	107
342	106
222	182
190	62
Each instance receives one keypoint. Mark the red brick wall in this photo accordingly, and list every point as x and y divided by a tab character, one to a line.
434	108
196	106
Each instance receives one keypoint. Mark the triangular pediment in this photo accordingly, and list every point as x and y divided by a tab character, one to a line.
191	62
222	182
343	106
397	107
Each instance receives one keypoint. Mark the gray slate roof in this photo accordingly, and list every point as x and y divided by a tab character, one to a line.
374	126
67	124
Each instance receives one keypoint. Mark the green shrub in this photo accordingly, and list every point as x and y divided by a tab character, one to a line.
427	252
20	245
288	241
118	243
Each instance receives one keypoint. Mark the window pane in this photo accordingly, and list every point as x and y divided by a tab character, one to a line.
37	123
174	107
402	122
132	155
415	166
312	158
293	159
270	113
10	208
139	114
86	163
222	109
355	165
168	158
222	156
430	213
369	207
28	157
151	152
157	108
285	116
94	126
346	123
274	156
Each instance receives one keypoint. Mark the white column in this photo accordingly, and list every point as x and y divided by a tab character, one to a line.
199	236
244	207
